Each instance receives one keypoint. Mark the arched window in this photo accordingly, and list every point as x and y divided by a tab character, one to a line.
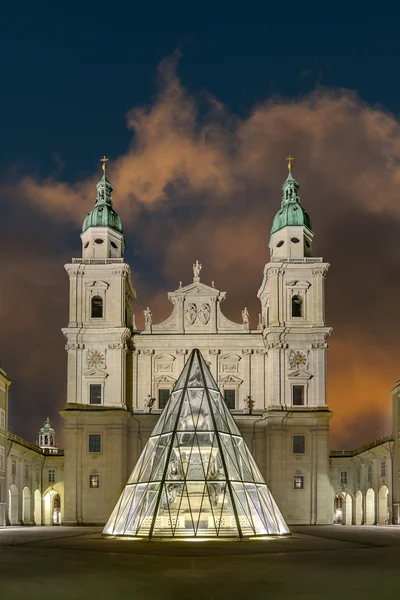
297	306
46	440
97	307
51	440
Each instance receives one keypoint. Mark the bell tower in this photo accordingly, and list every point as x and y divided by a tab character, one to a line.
98	337
295	335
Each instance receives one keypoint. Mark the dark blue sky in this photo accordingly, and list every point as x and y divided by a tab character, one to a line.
71	71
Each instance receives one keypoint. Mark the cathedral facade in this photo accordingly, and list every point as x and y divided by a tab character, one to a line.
273	378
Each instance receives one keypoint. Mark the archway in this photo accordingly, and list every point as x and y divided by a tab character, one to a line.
359	508
37	514
339	508
383	506
26	506
56	509
52	508
13	504
370	507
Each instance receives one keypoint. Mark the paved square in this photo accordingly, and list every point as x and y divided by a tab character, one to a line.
315	562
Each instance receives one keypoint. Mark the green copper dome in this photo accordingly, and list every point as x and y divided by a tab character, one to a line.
47	428
291	212
103	214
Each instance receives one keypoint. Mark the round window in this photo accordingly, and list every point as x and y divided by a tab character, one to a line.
279	244
295	240
98	241
86	245
114	245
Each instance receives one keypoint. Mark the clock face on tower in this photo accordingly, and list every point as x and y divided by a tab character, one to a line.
96	358
298	360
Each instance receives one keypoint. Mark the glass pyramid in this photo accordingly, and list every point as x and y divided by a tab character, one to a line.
196	476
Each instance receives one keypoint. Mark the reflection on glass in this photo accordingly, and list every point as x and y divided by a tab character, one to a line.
196	476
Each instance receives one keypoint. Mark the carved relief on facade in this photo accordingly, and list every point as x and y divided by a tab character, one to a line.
74	346
230	363
204	313
164	363
190	314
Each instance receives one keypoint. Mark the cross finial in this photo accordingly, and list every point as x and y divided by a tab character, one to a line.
104	161
289	159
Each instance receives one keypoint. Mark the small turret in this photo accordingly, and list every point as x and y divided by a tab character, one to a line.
291	233
102	234
47	438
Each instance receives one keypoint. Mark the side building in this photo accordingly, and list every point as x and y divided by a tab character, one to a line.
4	387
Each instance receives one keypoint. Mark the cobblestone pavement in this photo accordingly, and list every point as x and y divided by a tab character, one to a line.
315	562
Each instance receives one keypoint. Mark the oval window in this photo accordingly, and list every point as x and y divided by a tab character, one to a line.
307	243
86	245
114	245
98	241
295	240
279	244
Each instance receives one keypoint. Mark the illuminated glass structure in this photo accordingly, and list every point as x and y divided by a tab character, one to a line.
196	477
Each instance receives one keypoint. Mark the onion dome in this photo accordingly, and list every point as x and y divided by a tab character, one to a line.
291	213
103	214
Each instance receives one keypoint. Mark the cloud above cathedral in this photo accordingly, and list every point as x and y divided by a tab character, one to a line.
199	182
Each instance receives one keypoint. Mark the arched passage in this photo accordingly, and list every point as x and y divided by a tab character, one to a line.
37	512
52	508
26	506
370	507
383	506
343	509
13	504
338	506
359	508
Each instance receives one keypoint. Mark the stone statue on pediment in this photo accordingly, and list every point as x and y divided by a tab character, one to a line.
196	269
149	403
147	315
245	316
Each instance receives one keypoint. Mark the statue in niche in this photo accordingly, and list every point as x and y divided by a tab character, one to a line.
245	316
196	269
149	403
147	316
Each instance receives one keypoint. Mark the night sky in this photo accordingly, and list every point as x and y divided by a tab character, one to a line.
197	106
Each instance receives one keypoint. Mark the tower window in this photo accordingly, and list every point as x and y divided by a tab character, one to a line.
94	442
280	243
97	307
52	475
95	393
163	396
98	241
299	444
230	399
86	245
295	240
114	245
298	482
298	395
94	481
297	306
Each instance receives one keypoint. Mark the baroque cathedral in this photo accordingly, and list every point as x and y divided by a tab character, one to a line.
272	379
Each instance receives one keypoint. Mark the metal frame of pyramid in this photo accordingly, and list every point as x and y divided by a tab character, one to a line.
196	477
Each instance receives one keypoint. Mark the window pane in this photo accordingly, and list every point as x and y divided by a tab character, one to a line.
296	306
299	443
94	481
163	396
95	393
230	398
94	442
343	477
97	307
298	482
298	395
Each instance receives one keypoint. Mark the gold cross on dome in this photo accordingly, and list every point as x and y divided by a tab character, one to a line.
104	161
289	159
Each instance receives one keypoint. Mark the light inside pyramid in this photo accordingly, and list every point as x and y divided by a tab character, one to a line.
196	476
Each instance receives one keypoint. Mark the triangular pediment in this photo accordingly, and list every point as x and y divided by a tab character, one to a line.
164	379
94	372
230	379
300	374
197	289
196	477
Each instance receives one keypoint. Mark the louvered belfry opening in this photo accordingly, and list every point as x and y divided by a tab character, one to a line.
196	477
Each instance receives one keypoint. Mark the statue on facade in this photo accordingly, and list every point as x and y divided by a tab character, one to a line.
245	316
149	403
196	269
248	404
147	316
